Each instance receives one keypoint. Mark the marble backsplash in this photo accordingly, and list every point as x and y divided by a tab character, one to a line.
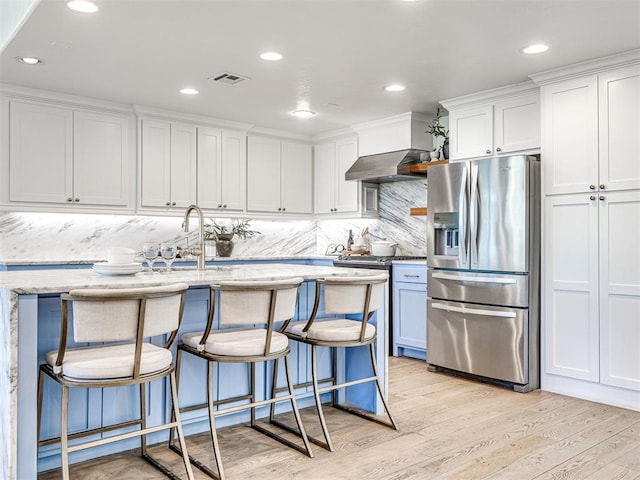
74	237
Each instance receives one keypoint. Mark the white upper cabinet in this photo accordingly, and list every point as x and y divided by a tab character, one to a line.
332	193
619	106
497	122
59	155
296	178
221	169
591	140
278	176
168	164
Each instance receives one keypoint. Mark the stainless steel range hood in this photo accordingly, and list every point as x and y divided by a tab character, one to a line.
386	167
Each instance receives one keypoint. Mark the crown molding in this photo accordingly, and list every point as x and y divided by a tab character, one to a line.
493	94
157	113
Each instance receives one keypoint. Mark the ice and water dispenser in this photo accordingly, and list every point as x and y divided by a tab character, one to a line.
446	236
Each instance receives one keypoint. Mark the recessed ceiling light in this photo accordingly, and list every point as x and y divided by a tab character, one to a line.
303	113
29	60
82	6
535	48
394	88
189	91
272	56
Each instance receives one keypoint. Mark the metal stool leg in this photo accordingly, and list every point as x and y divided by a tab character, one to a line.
316	393
375	372
176	414
294	406
64	441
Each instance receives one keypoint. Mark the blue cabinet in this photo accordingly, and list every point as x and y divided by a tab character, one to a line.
410	311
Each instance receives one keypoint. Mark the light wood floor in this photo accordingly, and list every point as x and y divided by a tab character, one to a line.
450	428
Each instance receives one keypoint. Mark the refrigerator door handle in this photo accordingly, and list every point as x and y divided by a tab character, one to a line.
463	254
463	278
473	311
474	208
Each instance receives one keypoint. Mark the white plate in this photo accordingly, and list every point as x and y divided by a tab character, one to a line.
117	269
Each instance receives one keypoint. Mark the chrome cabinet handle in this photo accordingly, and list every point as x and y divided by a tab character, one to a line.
69	199
219	205
284	209
602	186
592	187
592	197
498	149
487	151
76	199
168	204
601	197
224	206
173	204
411	276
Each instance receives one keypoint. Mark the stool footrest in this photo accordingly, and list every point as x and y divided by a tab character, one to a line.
93	431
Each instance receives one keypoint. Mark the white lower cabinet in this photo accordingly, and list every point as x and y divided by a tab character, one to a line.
60	155
592	287
279	176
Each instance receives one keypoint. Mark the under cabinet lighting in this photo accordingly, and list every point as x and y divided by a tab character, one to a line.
82	6
535	48
29	60
303	113
394	88
189	91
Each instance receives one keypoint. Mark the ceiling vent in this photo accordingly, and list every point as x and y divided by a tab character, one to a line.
228	77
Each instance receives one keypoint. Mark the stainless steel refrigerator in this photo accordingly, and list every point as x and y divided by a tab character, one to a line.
483	259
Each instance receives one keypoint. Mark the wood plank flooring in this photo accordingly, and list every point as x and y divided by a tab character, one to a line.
450	428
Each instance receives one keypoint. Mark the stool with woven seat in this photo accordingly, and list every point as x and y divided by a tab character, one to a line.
342	296
249	306
123	320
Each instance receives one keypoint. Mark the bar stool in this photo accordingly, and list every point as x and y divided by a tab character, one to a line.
251	305
342	296
121	319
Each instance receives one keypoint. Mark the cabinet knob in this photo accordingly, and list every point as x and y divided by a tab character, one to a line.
487	151
592	187
76	199
224	206
602	187
219	205
279	209
283	209
168	204
592	197
69	199
601	197
173	204
498	149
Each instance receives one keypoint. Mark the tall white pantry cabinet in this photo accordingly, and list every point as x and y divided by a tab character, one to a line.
591	230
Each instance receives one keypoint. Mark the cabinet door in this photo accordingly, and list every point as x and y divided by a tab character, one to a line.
263	175
570	136
102	158
41	153
156	164
619	256
517	124
571	320
183	165
234	171
209	168
619	99
346	196
471	132
324	178
296	177
409	315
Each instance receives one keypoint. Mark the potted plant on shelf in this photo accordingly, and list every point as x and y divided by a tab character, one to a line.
222	234
438	130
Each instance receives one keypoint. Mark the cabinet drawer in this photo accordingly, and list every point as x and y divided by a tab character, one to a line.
410	273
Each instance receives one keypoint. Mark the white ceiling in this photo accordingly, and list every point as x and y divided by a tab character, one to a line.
338	54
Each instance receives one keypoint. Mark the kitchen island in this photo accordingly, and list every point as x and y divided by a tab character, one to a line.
29	311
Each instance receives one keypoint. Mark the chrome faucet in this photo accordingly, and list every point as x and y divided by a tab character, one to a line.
185	228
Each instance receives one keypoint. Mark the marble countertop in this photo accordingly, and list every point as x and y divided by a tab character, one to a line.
410	262
67	261
63	280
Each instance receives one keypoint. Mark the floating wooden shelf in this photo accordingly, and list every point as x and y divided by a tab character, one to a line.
419	211
422	167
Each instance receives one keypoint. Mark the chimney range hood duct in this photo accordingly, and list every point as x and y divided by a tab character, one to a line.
386	167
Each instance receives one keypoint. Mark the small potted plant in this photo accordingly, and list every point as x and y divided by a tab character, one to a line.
438	130
222	234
